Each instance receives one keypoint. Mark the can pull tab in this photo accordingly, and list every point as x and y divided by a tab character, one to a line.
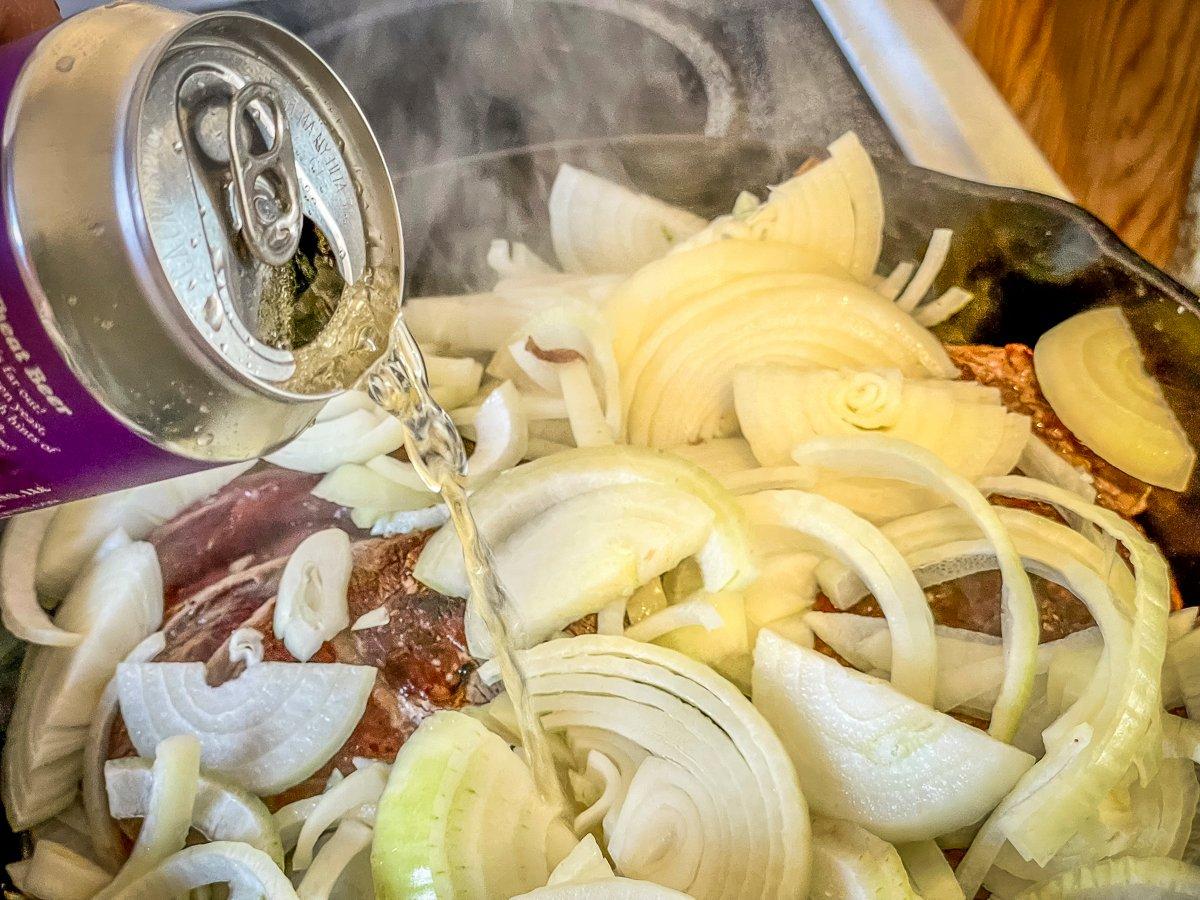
266	190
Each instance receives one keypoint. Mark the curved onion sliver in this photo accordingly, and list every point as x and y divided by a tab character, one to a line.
167	806
604	889
268	729
849	861
360	788
20	610
53	868
501	433
350	839
249	873
222	811
877	456
861	546
1069	782
310	604
106	839
1126	876
701	761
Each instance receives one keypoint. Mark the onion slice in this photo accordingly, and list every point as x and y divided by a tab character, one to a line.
360	788
521	494
249	873
849	861
1091	370
869	754
310	605
222	811
351	838
604	889
268	729
927	271
861	546
55	872
501	433
884	457
712	806
355	437
461	817
600	226
20	610
1124	877
167	806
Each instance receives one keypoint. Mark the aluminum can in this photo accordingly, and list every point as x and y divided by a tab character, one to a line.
199	246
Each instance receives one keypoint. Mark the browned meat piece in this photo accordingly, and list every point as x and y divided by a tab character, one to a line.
259	516
1010	368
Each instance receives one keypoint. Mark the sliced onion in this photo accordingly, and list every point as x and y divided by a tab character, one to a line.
1040	462
408	521
656	293
469	323
114	605
588	425
539	291
606	889
971	430
927	271
879	456
771	478
849	861
584	863
354	437
600	226
268	729
508	258
929	872
291	818
167	807
677	387
520	495
351	838
20	610
249	873
356	486
726	648
1091	370
645	601
79	528
710	782
222	811
891	286
786	585
55	872
534	407
862	182
453	380
1069	782
698	611
105	838
375	618
246	647
310	605
619	538
937	311
869	754
501	433
611	619
461	817
861	546
360	788
399	471
1125	877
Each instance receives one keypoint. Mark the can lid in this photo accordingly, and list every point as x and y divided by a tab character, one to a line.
268	205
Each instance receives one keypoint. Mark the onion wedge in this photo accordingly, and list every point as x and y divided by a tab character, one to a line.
268	729
360	788
600	226
878	456
20	610
55	872
354	437
501	433
1146	879
1091	370
519	495
867	753
343	847
604	889
849	861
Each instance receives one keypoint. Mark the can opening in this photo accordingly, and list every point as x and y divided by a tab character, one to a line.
300	297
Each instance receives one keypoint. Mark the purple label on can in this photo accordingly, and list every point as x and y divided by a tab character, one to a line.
57	442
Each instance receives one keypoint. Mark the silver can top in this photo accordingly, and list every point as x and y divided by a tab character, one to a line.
268	206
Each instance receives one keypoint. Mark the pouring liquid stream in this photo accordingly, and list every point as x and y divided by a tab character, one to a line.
399	384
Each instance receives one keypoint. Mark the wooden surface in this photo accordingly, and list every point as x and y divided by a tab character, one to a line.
1110	90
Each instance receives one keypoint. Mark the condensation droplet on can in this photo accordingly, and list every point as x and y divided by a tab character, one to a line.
72	300
204	438
177	146
107	324
213	314
96	229
203	408
194	242
65	63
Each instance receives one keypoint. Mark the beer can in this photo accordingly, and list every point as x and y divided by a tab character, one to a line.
199	246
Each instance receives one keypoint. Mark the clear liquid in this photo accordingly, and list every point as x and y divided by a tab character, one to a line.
398	383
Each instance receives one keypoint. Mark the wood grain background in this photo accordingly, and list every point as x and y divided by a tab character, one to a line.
1110	90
